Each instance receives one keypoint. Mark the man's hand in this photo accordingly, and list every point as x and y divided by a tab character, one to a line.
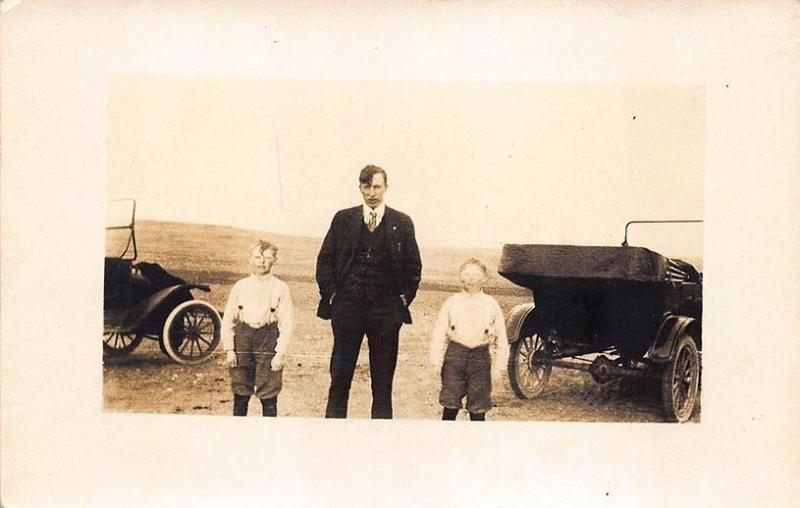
230	358
277	362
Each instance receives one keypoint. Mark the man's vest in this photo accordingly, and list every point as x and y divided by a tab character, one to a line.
371	275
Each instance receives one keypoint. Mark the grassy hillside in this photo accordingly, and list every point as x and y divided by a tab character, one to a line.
217	254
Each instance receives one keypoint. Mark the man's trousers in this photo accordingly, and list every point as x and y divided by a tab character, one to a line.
380	321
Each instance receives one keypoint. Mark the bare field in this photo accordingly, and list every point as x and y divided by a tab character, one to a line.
147	381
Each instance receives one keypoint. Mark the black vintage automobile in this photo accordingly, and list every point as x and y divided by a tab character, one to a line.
142	300
611	311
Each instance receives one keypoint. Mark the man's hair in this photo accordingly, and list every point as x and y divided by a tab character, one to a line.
263	245
365	177
476	262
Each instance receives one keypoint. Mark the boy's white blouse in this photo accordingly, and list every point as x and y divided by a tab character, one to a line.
472	321
251	301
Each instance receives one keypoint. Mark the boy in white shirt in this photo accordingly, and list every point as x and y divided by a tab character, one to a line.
469	345
256	330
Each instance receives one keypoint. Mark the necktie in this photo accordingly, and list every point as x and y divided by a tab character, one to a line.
373	221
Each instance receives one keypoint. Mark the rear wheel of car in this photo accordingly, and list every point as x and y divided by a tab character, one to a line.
120	343
191	332
680	381
528	378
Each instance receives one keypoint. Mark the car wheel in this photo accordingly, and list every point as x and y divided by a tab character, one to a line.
528	378
191	332
120	343
680	381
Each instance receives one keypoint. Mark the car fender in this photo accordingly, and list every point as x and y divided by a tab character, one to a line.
671	329
142	310
520	316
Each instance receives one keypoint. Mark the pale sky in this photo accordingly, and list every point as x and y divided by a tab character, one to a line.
476	164
260	117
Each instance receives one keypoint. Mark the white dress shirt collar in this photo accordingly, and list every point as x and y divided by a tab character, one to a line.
379	211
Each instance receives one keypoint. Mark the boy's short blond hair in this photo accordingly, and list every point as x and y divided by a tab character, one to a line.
263	245
476	262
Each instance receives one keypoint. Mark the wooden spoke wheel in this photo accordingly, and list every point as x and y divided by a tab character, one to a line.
120	343
191	332
528	378
680	381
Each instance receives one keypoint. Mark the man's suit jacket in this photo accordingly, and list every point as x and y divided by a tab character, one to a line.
338	251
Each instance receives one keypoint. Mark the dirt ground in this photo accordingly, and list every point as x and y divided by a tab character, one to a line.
148	381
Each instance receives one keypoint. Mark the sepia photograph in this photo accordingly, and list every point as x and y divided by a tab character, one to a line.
538	184
291	253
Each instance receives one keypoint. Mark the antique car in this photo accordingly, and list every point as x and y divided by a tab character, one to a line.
142	300
611	311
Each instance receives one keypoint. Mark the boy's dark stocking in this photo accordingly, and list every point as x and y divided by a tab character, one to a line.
269	407
449	413
240	404
477	417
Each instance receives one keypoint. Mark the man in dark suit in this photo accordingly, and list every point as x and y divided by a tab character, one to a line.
368	272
